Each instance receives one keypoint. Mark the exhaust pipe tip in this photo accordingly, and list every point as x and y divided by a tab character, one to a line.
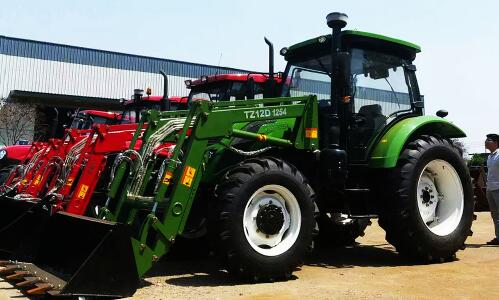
271	57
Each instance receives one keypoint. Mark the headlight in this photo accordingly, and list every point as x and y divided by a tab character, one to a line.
3	152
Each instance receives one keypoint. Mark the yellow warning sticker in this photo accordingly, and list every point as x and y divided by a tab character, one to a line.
188	176
167	178
38	179
69	182
83	191
261	137
311	133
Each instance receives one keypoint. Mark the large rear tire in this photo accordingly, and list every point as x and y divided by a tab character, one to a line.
428	206
265	220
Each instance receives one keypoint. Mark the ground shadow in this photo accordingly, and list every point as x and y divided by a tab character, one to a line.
198	271
192	271
196	267
358	255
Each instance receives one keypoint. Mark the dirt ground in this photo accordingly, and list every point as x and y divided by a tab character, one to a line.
371	269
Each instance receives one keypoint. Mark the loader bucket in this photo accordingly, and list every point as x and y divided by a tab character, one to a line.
75	256
12	209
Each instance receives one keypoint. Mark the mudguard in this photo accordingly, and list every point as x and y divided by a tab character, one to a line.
389	147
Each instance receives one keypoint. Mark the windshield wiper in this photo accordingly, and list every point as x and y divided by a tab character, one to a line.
394	93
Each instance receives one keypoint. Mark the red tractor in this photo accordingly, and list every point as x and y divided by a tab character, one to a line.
85	188
42	169
229	87
73	174
12	156
50	168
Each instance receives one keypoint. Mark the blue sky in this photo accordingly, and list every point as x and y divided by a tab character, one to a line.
456	69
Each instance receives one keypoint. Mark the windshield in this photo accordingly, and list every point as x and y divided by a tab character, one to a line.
85	121
377	80
308	78
130	113
224	91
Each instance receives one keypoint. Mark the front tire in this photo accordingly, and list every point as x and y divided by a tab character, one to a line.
428	210
265	220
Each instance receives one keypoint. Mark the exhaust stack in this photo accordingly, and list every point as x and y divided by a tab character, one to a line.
271	57
165	102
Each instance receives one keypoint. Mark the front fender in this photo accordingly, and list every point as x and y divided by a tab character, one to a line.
389	147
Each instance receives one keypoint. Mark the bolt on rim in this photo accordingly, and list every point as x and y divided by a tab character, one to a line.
272	220
440	197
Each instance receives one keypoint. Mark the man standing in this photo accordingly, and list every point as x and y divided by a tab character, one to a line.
492	144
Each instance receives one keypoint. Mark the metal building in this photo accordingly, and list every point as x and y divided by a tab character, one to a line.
35	66
47	75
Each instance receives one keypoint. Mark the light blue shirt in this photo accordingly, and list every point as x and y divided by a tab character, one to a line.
493	171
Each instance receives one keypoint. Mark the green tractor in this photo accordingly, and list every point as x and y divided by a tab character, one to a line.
346	142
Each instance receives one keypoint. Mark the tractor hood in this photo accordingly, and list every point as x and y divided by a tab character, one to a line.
352	39
14	152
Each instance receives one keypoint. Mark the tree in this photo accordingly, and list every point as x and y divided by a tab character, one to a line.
16	122
459	144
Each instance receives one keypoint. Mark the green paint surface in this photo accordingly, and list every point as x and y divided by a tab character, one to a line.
387	151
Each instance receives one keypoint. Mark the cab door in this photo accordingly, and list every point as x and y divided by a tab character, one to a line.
379	94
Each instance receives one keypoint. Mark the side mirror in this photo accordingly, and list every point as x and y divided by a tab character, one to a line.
379	73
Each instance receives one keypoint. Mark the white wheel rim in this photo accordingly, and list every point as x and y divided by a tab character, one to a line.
281	199
440	197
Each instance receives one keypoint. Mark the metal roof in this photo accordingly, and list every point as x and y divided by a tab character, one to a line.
66	101
109	59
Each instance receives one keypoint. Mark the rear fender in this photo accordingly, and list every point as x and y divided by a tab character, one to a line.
389	147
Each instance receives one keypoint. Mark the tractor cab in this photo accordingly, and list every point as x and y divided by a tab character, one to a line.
375	85
229	87
86	118
139	103
133	108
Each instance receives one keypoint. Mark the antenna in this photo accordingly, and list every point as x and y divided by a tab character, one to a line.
218	67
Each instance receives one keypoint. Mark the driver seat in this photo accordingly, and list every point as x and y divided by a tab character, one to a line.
374	117
362	134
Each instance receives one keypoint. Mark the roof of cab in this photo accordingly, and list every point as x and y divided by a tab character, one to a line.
354	38
100	113
258	78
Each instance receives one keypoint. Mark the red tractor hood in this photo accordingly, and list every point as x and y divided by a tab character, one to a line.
16	152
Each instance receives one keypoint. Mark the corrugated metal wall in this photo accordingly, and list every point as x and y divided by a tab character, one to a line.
61	69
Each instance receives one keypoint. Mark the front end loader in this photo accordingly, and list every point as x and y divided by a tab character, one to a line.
346	142
40	173
146	237
49	166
